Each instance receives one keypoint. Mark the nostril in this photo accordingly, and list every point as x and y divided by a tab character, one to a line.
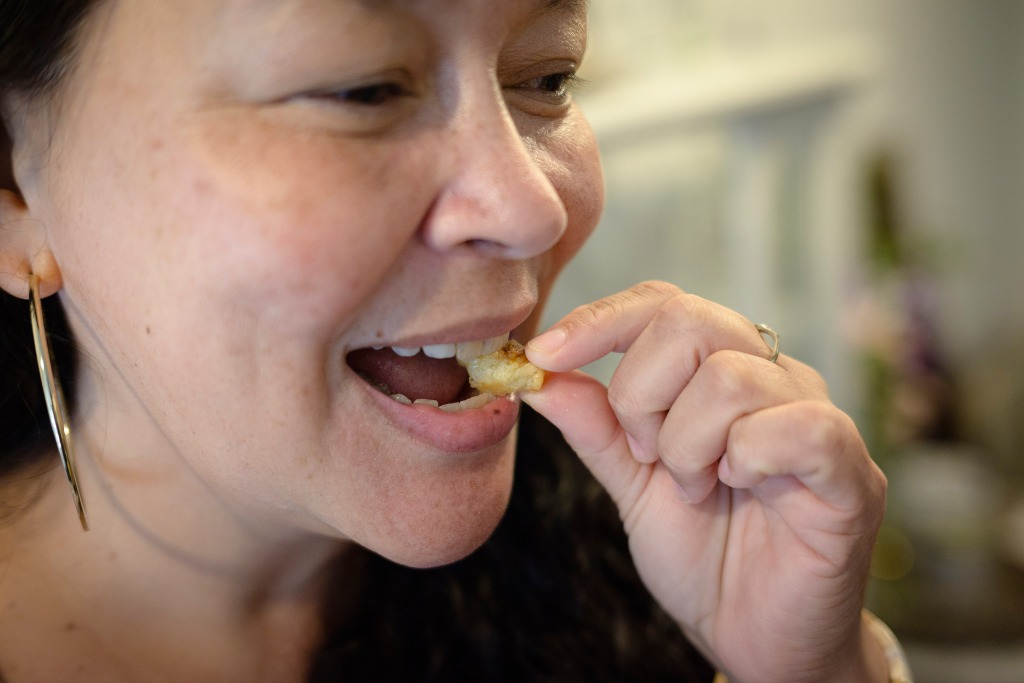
488	247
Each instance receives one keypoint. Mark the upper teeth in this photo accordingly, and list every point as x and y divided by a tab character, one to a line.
462	351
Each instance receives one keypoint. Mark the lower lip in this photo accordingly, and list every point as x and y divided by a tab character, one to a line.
466	431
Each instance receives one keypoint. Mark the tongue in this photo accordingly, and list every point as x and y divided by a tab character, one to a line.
440	379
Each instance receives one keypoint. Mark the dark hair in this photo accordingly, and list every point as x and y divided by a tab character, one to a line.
552	596
36	42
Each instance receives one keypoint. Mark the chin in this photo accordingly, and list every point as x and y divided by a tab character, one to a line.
439	552
443	553
441	518
436	540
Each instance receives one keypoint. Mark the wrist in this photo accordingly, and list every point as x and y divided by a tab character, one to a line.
881	658
878	658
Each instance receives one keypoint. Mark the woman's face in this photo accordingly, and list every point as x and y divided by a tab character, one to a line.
248	197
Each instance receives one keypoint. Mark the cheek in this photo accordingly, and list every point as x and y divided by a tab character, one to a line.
285	214
573	165
236	255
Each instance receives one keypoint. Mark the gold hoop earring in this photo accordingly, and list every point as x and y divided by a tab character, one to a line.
56	406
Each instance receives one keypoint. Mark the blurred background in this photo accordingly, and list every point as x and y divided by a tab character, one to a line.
850	172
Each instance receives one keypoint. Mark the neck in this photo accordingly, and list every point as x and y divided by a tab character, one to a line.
161	582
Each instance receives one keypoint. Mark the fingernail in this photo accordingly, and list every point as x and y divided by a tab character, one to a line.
638	451
548	342
724	470
682	494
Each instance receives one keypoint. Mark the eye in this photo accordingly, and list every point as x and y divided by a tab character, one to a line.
557	85
370	95
369	105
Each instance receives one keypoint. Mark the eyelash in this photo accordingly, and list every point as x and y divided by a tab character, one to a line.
371	95
557	85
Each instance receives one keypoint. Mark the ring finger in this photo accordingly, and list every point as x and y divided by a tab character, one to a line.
695	431
684	332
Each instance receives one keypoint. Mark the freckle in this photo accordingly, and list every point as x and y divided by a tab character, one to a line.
70	626
148	330
379	334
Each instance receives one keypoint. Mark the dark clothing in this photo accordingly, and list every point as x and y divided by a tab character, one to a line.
552	597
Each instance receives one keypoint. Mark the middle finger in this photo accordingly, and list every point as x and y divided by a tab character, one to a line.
694	434
685	331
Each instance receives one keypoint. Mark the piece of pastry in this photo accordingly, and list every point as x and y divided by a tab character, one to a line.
506	371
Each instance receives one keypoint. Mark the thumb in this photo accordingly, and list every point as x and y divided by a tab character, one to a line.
577	405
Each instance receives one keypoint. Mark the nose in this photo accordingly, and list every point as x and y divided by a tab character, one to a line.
495	196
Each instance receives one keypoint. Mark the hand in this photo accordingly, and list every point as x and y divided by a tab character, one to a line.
750	501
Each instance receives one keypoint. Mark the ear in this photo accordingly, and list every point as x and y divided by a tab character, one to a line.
24	250
23	245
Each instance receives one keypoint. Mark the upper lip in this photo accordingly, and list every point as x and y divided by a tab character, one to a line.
469	330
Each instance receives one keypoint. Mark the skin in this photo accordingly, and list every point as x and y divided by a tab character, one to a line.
750	501
225	224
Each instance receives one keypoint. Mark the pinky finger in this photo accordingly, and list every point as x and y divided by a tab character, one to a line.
811	441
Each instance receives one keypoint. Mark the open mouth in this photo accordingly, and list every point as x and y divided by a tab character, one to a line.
430	375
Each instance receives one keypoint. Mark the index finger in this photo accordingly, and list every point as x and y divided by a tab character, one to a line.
616	322
594	330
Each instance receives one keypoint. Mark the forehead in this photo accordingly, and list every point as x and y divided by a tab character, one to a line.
197	30
488	15
439	6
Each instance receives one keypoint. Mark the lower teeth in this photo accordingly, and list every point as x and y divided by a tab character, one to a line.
377	384
472	402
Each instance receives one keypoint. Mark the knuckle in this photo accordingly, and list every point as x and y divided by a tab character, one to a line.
625	398
814	383
590	315
687	310
674	457
727	375
688	316
821	427
655	289
676	311
881	488
596	313
610	307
